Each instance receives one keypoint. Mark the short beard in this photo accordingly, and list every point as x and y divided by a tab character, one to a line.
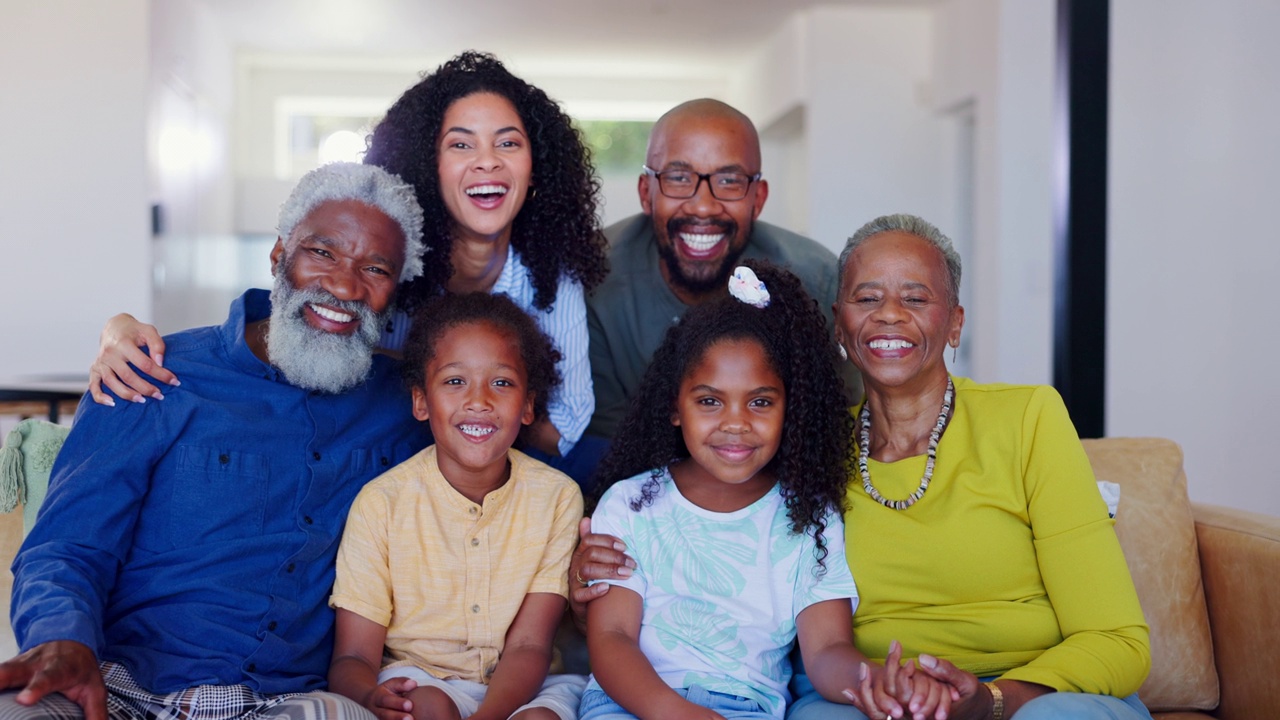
699	283
313	359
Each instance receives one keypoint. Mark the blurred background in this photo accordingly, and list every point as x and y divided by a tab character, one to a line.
145	146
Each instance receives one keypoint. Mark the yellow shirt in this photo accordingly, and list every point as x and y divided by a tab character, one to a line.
446	576
1009	564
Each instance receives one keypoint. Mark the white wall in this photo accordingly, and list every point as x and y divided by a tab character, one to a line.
875	144
263	80
994	63
190	91
1195	89
1192	330
847	88
73	182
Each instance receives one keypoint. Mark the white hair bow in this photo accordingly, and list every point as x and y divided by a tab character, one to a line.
745	286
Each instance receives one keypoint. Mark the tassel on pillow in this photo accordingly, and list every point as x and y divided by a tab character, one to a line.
13	485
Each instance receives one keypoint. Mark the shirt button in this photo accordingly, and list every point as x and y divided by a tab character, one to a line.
290	568
253	667
306	519
315	455
475	542
385	461
475	608
471	510
224	458
271	625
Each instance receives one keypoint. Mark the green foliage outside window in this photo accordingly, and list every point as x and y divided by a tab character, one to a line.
616	145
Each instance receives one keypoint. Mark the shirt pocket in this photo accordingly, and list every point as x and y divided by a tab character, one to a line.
218	495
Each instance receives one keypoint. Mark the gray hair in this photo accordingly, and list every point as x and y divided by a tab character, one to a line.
911	225
368	184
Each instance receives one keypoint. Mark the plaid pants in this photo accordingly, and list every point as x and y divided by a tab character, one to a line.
127	701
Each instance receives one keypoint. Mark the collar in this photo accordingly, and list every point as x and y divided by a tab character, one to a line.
506	281
253	305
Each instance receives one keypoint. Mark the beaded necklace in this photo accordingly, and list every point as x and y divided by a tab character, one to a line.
864	451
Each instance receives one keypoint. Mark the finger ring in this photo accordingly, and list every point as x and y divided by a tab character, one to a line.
577	575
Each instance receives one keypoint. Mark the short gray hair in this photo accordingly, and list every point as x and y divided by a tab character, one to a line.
911	225
368	184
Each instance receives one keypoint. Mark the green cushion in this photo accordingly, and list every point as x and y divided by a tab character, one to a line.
25	463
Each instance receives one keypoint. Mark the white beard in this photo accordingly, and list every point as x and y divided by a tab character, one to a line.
313	359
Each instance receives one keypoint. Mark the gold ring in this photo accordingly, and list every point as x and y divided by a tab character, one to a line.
577	575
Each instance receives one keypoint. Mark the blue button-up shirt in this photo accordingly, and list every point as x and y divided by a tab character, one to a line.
193	539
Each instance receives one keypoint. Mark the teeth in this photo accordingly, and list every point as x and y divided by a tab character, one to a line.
889	344
333	315
700	242
477	430
487	190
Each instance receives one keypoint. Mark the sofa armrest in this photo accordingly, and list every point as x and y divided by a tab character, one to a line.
1240	563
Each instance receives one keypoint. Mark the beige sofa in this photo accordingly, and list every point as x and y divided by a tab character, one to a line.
1208	578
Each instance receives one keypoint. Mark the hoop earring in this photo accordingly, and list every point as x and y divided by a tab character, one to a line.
844	354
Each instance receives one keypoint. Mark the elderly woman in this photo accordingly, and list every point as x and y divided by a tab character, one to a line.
974	527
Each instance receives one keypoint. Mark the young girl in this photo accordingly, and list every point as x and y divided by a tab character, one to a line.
725	483
452	573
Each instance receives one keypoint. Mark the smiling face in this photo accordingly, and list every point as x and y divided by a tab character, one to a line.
701	238
351	251
894	315
485	166
333	289
730	410
476	398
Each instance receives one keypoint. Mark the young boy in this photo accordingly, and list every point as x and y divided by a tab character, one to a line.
451	576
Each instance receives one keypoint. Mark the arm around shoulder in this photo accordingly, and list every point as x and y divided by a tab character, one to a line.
120	350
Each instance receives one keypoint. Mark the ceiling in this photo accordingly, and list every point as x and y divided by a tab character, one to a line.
584	35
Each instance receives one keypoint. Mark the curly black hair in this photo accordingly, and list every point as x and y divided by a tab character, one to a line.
810	462
556	232
445	312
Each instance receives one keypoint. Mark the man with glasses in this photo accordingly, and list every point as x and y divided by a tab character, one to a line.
701	192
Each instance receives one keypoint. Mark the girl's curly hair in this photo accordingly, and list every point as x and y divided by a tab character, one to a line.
810	462
556	232
445	312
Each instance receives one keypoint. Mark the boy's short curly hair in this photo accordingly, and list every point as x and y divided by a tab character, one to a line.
432	320
810	462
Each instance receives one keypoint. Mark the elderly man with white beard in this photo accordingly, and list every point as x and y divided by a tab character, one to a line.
181	563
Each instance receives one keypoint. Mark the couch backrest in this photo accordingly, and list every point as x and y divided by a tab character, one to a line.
1158	536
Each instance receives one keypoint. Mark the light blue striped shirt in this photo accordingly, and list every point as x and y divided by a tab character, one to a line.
571	405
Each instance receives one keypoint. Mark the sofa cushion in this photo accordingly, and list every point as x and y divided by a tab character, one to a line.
1157	533
26	459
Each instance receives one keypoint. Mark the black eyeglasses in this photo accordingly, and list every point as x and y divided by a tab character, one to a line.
683	184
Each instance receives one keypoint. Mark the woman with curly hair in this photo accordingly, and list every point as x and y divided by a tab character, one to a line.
725	482
509	196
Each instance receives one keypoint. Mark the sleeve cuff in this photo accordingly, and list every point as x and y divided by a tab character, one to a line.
62	626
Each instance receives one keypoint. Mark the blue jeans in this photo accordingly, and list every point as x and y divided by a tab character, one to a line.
596	705
809	705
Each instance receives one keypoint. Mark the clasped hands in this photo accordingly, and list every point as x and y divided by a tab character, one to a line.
922	688
901	690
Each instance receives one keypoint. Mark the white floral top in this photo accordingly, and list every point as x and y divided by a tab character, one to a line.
721	590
